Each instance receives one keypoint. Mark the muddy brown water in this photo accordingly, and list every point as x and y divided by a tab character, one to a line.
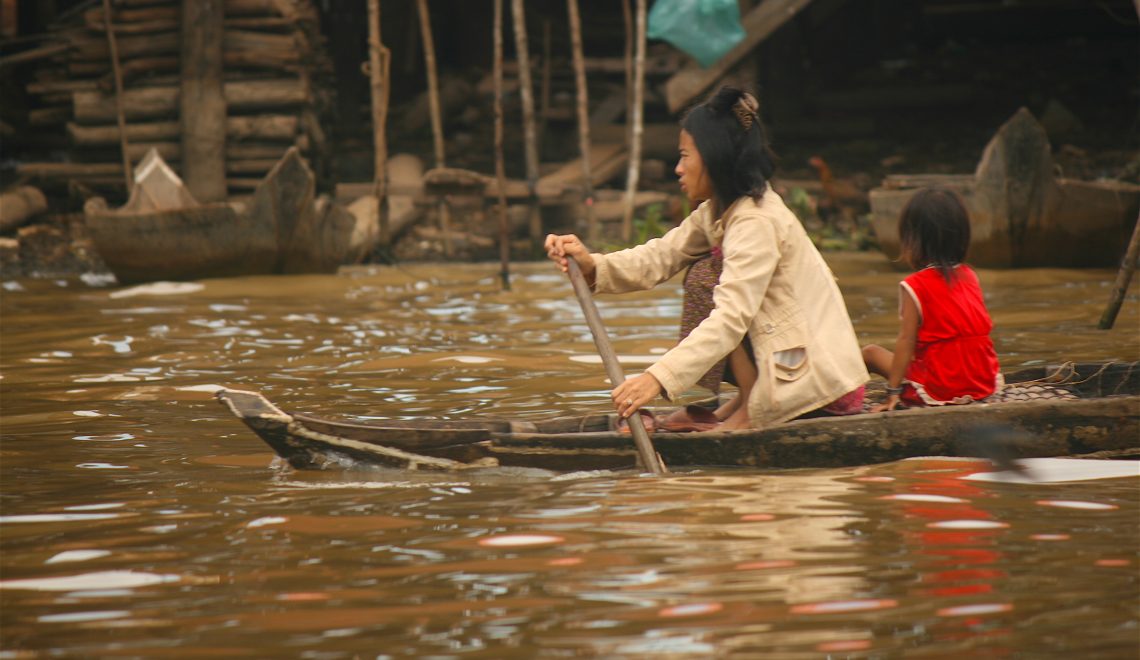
140	520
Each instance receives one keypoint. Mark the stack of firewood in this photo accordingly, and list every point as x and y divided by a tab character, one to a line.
276	87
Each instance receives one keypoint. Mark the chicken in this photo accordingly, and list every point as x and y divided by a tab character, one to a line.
844	199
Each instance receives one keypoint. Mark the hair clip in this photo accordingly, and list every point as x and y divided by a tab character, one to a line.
746	109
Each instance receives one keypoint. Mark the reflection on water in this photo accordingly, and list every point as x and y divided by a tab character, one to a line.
139	520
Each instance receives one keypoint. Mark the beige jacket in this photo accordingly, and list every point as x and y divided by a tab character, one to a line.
775	287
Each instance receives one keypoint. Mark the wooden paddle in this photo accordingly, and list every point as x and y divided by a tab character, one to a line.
645	452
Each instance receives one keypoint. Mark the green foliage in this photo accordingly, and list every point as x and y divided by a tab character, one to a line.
802	204
651	225
860	237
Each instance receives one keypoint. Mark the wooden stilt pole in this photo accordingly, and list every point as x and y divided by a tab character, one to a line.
627	16
638	121
436	116
544	109
500	165
530	143
1123	278
203	107
379	69
583	120
117	74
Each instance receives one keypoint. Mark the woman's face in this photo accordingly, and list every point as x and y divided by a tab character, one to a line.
691	171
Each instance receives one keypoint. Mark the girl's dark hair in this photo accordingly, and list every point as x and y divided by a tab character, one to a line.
733	145
934	230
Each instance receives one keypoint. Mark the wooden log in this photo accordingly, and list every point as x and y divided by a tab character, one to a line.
637	120
530	139
273	47
68	170
172	152
56	86
202	101
436	113
262	127
135	27
583	105
49	116
249	40
758	24
627	62
500	167
167	21
92	49
432	83
19	205
124	15
290	10
545	111
232	7
246	127
163	101
288	61
380	85
34	54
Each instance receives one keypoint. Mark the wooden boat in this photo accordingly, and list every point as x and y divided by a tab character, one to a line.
1021	214
1101	413
163	233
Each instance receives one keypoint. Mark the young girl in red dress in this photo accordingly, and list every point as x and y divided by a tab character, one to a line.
943	354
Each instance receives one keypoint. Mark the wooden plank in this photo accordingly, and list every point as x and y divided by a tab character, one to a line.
758	24
606	160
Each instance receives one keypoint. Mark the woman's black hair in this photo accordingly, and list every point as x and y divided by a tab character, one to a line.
733	145
934	230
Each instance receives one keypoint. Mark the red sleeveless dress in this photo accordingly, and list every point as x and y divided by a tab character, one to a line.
954	358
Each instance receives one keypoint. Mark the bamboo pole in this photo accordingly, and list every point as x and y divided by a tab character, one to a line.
529	138
436	116
379	67
120	114
500	166
638	120
1123	278
583	119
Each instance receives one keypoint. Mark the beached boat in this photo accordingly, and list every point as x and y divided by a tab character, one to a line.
1045	411
163	233
1022	214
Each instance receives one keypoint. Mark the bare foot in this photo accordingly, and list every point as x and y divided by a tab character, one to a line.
689	418
647	420
736	421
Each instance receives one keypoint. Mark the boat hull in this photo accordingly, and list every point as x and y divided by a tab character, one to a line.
1103	417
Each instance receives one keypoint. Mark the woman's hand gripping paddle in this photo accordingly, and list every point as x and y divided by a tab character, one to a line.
645	452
